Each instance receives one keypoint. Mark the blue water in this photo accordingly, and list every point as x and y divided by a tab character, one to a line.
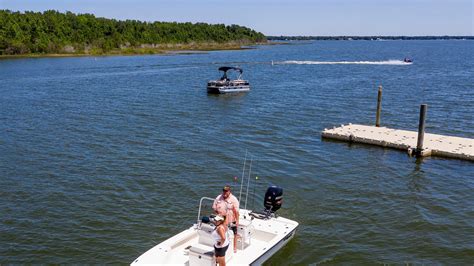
103	157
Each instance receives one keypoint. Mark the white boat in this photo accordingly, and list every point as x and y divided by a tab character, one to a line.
261	236
226	85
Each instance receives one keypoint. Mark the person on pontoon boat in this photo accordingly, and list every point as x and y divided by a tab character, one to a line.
228	205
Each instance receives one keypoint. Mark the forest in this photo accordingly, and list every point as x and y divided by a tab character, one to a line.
53	32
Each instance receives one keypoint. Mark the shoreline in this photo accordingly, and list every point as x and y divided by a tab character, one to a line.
164	49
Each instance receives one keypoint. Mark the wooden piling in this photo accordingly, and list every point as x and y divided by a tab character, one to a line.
379	107
421	130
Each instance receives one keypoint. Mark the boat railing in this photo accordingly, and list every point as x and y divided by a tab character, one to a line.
200	207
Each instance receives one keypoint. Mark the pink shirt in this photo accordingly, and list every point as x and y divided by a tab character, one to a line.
225	206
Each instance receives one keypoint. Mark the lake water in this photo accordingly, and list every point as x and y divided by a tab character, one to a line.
101	158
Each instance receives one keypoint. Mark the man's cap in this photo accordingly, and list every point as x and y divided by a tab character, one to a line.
226	188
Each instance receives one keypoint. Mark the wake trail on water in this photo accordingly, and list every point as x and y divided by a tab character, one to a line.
386	62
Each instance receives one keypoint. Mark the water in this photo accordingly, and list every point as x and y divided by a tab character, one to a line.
102	158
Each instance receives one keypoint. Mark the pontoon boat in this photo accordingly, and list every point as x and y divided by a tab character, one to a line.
226	85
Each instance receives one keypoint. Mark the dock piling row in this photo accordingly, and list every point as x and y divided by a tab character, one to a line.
415	143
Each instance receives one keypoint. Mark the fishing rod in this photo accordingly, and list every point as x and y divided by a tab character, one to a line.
242	179
254	196
248	182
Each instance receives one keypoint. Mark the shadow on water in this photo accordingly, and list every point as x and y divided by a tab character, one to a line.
227	96
417	175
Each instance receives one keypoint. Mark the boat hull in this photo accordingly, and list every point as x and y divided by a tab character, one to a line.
260	239
264	257
227	89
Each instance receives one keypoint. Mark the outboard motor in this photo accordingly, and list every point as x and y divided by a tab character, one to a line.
273	199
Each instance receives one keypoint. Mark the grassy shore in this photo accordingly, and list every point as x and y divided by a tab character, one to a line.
147	49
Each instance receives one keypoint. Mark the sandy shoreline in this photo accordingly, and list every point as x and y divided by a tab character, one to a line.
172	50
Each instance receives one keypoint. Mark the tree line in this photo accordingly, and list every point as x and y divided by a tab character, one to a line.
56	32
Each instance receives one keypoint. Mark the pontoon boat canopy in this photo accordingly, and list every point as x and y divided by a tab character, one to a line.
226	68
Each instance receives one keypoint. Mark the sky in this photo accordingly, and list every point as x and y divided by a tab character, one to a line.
285	17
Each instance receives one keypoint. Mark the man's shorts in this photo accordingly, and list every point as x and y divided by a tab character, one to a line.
233	227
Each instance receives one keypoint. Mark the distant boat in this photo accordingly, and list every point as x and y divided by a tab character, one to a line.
407	60
226	85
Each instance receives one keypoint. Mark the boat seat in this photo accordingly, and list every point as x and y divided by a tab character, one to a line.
201	255
204	234
201	251
246	231
205	238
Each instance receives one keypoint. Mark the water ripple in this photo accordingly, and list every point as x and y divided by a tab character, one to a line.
100	159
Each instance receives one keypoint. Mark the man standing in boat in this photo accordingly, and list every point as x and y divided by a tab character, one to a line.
228	205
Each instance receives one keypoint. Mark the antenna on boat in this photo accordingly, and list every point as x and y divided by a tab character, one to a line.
248	179
272	62
242	179
248	182
253	201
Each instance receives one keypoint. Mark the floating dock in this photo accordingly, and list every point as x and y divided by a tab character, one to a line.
436	145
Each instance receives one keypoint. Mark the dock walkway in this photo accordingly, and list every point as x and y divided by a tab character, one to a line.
436	145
